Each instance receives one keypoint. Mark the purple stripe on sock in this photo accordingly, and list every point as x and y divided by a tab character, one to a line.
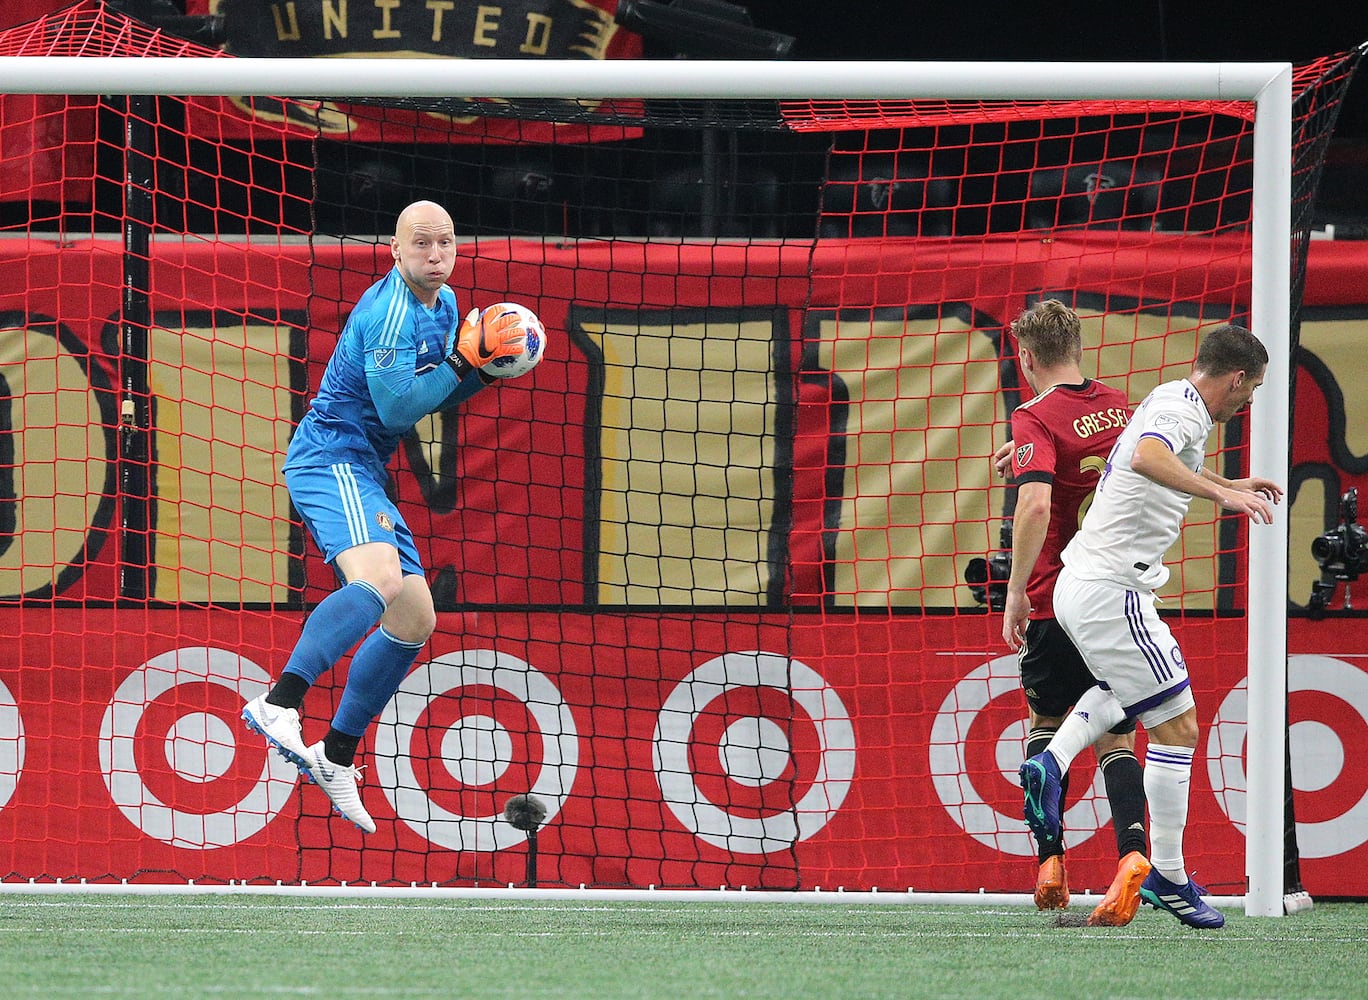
1168	756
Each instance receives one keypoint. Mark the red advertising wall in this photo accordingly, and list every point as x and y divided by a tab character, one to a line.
121	754
912	793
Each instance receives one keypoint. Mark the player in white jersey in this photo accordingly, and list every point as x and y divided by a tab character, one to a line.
1105	601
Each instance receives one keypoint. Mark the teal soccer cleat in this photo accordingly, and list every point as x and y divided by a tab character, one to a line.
1040	778
1183	901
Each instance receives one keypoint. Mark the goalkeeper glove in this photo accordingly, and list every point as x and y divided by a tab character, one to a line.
478	343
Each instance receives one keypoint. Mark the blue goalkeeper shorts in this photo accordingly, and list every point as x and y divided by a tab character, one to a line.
343	507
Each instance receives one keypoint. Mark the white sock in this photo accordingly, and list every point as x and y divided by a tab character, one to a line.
1096	712
1168	772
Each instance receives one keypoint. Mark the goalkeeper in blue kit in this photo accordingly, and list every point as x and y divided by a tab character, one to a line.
403	354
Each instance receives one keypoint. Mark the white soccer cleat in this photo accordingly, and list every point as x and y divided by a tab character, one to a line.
340	783
282	730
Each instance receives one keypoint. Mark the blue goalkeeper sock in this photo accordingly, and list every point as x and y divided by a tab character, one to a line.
376	671
335	626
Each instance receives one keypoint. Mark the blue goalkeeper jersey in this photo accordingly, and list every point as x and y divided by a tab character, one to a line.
387	372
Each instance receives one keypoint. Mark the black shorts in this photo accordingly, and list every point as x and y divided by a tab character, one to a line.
1053	673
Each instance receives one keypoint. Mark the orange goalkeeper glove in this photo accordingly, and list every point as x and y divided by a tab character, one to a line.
478	342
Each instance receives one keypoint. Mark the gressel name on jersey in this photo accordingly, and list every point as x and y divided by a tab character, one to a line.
1102	420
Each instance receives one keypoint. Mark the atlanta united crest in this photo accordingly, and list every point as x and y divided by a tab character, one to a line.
384	520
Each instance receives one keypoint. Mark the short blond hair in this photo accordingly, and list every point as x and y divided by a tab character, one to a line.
1051	331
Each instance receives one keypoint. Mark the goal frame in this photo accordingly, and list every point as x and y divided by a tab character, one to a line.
1266	85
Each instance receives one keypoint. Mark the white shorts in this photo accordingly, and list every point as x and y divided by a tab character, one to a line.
1126	645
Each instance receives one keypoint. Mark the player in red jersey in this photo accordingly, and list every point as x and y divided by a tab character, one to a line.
1060	442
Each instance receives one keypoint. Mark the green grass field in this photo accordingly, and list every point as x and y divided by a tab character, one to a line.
237	946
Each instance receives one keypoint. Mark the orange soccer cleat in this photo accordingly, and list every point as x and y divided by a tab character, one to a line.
1118	906
1052	884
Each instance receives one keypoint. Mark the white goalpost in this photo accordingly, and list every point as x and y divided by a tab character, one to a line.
1267	86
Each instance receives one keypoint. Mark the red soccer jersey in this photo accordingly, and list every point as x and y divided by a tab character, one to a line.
1063	437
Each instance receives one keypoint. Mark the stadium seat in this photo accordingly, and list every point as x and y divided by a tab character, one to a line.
1116	194
745	203
876	194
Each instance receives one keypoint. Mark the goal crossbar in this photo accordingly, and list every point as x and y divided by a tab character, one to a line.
702	79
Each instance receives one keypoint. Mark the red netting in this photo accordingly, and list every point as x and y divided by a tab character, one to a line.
91	28
703	579
833	115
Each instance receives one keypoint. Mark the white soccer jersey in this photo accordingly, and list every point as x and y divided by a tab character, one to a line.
1133	520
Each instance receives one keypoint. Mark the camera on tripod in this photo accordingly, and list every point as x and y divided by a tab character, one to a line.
987	576
1341	553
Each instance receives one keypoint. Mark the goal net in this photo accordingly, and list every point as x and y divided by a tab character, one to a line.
717	583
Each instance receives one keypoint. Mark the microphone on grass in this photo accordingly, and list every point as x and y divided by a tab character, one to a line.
527	813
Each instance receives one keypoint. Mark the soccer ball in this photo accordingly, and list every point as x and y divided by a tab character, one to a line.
534	346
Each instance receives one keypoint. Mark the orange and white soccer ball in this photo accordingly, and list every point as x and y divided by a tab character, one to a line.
534	342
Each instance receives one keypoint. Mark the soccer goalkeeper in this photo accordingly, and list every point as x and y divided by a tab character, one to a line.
403	354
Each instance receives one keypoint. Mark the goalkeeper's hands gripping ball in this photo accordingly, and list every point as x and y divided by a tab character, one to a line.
501	341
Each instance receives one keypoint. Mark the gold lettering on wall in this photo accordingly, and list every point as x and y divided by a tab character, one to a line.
687	448
223	419
923	406
59	459
538	35
386	8
438	8
287	26
335	18
487	26
1337	344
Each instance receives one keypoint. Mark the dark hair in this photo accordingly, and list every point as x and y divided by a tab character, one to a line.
1050	330
1230	348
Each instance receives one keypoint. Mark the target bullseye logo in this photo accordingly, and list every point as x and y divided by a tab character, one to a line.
976	734
11	745
1332	808
754	752
171	760
463	733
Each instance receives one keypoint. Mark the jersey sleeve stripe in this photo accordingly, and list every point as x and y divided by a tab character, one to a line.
1155	434
394	321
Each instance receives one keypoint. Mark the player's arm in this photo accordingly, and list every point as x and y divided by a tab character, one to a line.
1270	490
472	383
401	396
1030	525
475	345
1155	460
403	399
1002	459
